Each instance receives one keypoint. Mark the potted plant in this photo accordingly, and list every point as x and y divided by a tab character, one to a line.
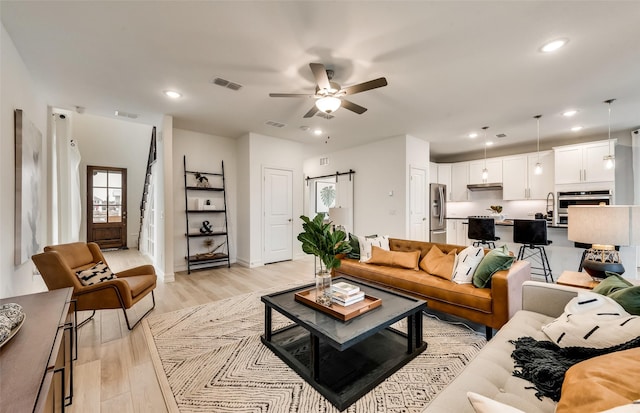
318	239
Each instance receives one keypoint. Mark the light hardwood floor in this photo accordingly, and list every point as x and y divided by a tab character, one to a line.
114	373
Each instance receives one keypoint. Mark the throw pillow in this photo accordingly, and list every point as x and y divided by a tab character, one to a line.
593	320
400	259
438	263
466	263
628	298
366	244
98	273
355	246
497	259
601	383
612	283
482	404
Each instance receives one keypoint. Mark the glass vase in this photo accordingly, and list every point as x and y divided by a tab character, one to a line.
323	288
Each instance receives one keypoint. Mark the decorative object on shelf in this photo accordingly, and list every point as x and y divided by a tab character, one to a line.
212	250
318	239
538	168
202	181
206	228
609	160
609	226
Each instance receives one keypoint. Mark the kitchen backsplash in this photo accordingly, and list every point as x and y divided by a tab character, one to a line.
481	201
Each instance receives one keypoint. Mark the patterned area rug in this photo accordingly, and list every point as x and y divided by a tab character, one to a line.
210	358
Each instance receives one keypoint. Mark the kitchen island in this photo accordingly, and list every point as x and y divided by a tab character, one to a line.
562	253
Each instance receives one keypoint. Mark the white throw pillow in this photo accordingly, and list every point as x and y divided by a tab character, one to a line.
482	404
367	243
627	408
593	320
96	274
466	264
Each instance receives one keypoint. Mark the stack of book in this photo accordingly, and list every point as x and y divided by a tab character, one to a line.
345	294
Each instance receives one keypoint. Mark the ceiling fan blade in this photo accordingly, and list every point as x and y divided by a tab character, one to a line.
312	111
320	73
361	87
290	95
353	107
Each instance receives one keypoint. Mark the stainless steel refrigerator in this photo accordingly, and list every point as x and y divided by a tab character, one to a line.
438	213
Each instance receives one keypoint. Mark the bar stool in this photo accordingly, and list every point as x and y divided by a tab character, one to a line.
483	230
533	234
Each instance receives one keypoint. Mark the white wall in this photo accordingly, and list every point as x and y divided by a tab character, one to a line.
116	143
204	153
18	91
269	152
243	195
381	170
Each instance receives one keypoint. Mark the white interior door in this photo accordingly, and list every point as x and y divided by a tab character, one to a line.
418	202
278	211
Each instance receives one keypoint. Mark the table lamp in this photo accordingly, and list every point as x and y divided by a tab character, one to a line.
341	218
605	227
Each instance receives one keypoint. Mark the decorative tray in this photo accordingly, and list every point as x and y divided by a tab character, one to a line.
343	313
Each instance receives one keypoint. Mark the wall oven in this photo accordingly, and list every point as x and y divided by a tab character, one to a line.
566	199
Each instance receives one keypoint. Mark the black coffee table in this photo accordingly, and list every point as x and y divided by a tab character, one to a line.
344	360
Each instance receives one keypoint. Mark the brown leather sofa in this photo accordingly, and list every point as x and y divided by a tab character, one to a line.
492	307
58	265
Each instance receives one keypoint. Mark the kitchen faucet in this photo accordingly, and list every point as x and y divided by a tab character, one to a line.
553	201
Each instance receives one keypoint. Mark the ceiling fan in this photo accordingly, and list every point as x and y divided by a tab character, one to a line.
330	95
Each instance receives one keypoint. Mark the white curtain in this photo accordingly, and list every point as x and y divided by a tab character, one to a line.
75	210
66	192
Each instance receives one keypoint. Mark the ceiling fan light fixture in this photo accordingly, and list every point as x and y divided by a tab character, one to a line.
328	104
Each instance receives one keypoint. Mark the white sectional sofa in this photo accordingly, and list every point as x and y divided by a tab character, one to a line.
491	372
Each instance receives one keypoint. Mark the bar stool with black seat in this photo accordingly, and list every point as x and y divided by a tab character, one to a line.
483	231
532	233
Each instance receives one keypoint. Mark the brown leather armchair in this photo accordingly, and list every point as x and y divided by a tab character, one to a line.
58	265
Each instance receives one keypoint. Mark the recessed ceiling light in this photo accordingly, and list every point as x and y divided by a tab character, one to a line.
172	94
576	128
554	45
569	113
473	135
317	132
489	143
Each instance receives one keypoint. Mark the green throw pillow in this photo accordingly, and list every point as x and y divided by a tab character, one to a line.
495	260
628	298
355	247
611	284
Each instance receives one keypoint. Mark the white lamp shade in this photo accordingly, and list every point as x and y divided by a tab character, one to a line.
328	104
606	225
340	217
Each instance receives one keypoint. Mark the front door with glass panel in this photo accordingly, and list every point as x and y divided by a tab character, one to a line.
107	206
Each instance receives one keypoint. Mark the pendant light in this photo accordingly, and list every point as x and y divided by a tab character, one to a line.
538	168
485	171
609	160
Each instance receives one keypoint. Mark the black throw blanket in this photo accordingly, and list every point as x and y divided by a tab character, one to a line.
544	363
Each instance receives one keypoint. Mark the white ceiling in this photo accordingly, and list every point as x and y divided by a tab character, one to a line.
452	66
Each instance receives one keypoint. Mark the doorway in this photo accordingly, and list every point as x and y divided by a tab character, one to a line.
107	206
278	215
418	202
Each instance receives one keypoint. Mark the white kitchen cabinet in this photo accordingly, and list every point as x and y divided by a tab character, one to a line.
519	178
459	181
583	163
433	173
494	167
457	232
444	177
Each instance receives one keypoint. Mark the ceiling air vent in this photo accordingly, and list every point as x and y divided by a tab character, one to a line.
124	114
275	124
225	83
501	135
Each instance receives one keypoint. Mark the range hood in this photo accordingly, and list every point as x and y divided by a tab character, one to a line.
496	186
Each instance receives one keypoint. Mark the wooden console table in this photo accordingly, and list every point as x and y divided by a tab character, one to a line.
33	362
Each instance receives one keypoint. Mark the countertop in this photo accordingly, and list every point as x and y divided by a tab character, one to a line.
508	222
